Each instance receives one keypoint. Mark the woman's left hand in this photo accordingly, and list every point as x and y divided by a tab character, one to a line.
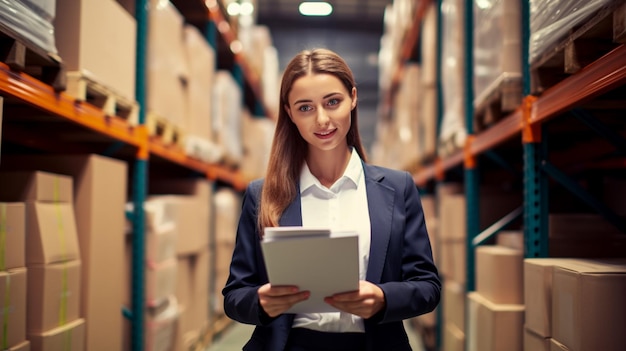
365	302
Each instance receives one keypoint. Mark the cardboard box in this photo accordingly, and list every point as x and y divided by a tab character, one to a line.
190	217
500	274
454	297
13	232
589	296
201	59
35	186
494	327
160	329
106	55
51	229
453	338
161	245
160	281
24	346
53	295
100	190
257	134
167	66
557	346
69	337
192	291
513	239
13	302
453	262
535	342
538	276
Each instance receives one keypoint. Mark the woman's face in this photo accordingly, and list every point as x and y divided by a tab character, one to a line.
320	106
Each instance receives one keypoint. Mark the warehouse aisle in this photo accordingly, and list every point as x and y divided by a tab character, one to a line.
237	334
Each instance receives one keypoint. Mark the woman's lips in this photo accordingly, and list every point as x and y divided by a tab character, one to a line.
326	134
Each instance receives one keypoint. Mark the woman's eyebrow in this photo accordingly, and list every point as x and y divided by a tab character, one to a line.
309	100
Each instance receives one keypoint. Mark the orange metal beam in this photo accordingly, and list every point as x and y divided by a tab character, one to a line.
505	129
43	96
607	73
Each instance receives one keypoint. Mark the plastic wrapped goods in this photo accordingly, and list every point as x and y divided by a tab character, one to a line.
453	132
497	46
551	20
28	24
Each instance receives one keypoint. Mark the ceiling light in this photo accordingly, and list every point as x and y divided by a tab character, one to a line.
247	9
233	9
310	8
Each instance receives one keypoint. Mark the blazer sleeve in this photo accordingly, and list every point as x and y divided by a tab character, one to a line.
410	281
247	269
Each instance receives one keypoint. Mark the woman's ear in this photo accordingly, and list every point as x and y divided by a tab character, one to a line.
287	110
354	98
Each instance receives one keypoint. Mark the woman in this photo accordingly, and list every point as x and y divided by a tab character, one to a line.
318	177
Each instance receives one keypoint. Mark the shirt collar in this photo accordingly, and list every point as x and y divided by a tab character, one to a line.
353	173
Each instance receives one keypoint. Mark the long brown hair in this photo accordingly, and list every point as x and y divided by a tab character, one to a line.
289	149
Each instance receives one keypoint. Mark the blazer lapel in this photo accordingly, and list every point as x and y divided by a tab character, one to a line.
380	219
293	213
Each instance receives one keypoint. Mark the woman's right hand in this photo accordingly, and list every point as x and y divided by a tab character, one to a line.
278	299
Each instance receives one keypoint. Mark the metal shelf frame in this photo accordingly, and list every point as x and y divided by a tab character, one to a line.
527	123
61	106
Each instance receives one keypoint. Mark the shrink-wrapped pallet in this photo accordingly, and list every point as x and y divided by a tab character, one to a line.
497	52
30	25
551	21
453	131
227	111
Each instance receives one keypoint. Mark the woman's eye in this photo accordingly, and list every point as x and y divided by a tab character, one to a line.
304	108
332	102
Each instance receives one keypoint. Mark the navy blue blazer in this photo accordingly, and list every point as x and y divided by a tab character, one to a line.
400	263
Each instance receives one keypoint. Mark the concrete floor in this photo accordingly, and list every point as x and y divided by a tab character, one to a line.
236	335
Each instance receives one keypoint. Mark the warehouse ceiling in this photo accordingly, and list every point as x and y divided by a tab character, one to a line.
365	15
353	30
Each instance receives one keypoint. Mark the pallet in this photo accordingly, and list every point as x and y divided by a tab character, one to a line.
211	332
584	44
22	56
85	88
162	129
503	96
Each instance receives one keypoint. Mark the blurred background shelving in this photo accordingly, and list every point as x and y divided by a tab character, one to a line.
509	115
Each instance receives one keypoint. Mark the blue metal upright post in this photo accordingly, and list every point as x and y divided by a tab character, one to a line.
439	113
471	169
535	181
139	184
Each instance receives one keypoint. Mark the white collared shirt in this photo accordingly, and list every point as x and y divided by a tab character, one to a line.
342	207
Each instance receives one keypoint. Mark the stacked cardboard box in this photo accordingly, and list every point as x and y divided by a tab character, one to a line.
568	296
99	188
167	66
227	115
227	210
260	52
496	308
451	204
13	273
106	56
257	134
189	202
52	259
200	56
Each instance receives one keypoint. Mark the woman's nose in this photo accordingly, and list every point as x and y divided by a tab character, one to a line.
322	117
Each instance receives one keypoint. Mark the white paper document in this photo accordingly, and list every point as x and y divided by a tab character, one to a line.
316	260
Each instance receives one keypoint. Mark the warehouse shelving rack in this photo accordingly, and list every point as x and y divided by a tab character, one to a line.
528	123
38	118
